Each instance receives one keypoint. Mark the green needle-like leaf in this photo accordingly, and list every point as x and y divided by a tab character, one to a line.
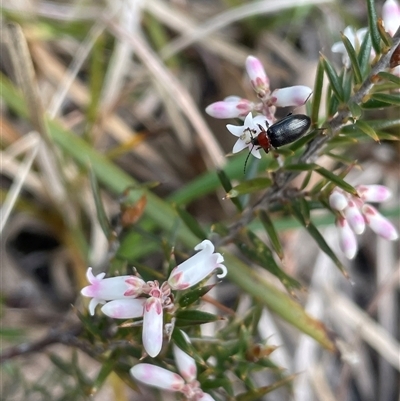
334	79
367	129
319	239
191	223
373	26
353	58
272	234
254	185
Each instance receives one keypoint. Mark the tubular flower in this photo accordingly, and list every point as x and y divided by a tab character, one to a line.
236	107
197	268
230	107
105	289
164	379
355	214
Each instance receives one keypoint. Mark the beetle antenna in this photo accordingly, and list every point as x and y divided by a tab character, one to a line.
247	158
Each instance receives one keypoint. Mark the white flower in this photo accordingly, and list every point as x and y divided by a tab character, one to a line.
197	268
247	133
105	289
391	16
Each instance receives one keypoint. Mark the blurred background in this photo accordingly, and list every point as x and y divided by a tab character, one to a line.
132	78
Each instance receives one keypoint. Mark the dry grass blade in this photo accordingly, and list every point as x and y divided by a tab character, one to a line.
183	23
226	18
18	183
176	91
368	329
70	75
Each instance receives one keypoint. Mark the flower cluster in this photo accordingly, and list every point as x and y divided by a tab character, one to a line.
127	297
184	383
236	107
354	214
391	21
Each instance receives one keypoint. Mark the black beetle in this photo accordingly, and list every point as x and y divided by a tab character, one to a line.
285	131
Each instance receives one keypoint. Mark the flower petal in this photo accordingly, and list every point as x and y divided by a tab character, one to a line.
124	308
258	77
373	193
197	267
347	238
379	224
291	96
185	364
337	200
157	377
239	145
152	336
112	287
391	16
236	130
354	217
229	108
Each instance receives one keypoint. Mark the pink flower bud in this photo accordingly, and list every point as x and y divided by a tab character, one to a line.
379	224
258	77
157	377
104	289
391	16
185	363
152	336
197	268
354	217
291	96
373	193
347	238
233	107
124	308
337	200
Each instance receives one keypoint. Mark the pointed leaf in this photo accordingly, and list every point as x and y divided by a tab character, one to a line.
226	184
272	234
386	98
317	93
107	367
386	38
373	26
353	58
191	223
364	55
355	109
258	393
337	180
389	77
190	317
304	210
319	239
255	249
367	129
375	104
334	79
194	295
254	185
